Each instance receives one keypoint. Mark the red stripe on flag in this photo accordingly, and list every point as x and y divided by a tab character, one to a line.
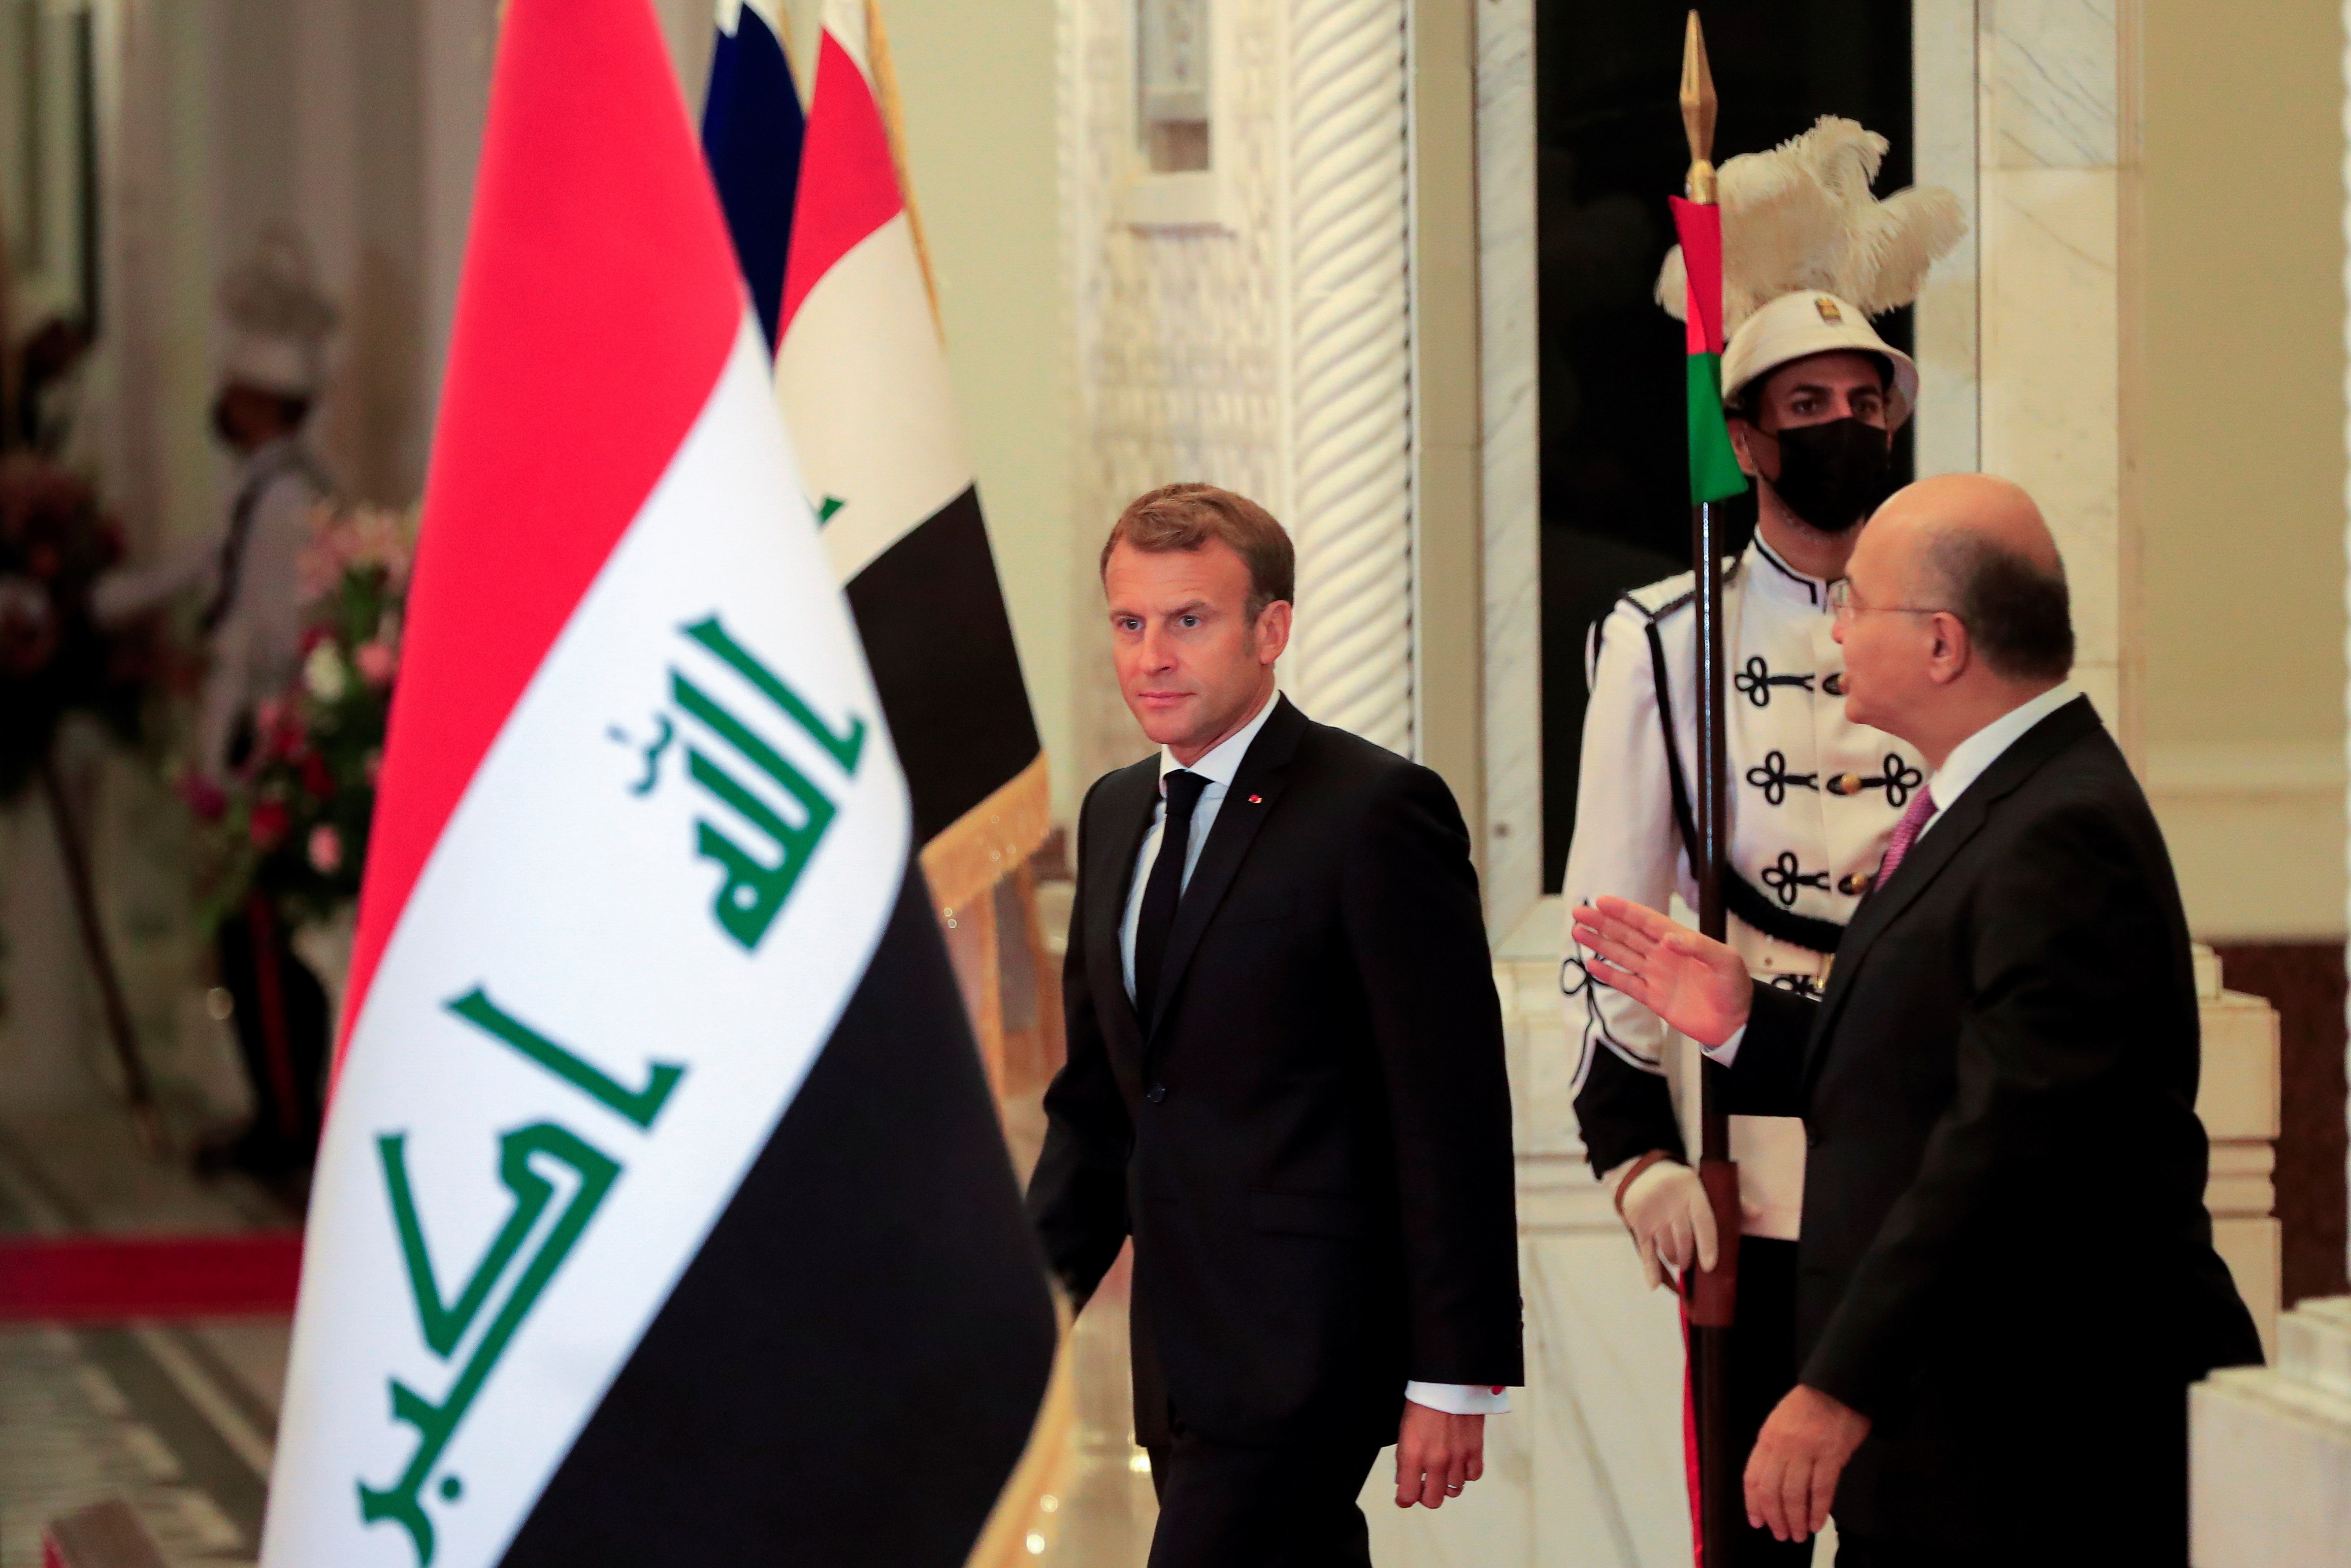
848	184
1700	228
597	305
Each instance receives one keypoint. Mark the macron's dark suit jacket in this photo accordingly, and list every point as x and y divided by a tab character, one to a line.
2006	1261
1311	1143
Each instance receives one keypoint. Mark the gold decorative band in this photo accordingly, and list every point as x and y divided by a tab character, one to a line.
1023	1506
983	846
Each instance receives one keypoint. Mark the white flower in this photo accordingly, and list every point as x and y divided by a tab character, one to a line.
324	673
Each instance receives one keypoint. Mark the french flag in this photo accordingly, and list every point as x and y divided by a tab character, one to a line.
662	1215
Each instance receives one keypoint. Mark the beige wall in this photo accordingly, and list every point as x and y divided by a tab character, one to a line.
2241	459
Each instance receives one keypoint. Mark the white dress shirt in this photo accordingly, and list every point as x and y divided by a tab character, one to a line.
1218	767
1968	761
1970	757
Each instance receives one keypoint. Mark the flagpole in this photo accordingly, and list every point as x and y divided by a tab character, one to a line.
1713	1296
885	88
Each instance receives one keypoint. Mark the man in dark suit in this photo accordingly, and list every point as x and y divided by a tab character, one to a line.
1285	1077
2007	1278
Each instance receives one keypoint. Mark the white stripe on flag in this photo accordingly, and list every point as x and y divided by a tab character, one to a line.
862	383
729	16
570	892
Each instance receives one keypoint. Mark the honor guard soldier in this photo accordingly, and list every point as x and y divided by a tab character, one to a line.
1815	396
247	575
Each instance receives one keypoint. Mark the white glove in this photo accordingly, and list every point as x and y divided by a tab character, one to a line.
1666	1209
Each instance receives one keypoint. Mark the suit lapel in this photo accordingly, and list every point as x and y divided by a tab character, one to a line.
1246	804
1960	823
1128	805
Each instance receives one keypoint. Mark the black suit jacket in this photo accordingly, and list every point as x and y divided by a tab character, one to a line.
1311	1143
2005	1260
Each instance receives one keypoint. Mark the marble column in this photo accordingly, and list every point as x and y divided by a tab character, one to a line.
1510	348
1944	97
1250	326
2052	147
1349	373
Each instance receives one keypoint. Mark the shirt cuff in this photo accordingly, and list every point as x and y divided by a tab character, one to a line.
1459	1398
1727	1051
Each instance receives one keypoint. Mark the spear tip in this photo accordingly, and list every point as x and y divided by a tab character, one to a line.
1697	103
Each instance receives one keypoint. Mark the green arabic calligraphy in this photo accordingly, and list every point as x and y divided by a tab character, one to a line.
754	890
639	1105
444	1323
437	1423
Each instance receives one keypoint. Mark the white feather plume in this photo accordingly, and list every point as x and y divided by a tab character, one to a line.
1801	216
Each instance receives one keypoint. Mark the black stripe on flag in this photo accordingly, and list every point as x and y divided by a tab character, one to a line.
930	611
848	1370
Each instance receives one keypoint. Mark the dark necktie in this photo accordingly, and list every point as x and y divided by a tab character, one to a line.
1166	888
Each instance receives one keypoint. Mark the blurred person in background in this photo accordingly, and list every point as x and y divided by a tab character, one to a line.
246	575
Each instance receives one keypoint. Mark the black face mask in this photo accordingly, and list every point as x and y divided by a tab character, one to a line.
1832	474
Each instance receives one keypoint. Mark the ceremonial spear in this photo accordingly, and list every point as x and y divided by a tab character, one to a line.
1714	477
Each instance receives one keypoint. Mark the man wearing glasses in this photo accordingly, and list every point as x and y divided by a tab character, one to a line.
1815	396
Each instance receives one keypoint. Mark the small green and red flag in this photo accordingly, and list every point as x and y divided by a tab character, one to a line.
1714	466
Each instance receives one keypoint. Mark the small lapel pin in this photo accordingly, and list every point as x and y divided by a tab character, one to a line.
1256	799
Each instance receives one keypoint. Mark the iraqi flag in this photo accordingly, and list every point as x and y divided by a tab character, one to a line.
863	382
662	1215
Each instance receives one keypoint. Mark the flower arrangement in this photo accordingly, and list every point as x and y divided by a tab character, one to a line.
54	659
294	818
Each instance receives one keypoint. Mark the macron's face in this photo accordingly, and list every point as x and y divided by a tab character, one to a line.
1191	664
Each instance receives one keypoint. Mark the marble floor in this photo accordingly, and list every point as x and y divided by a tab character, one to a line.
178	1420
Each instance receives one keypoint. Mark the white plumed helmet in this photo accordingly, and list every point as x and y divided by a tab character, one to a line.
1798	326
277	320
1809	254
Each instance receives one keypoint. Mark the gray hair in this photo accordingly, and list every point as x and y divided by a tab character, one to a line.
2016	609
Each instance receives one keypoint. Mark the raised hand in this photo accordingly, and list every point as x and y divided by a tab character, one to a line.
1694	983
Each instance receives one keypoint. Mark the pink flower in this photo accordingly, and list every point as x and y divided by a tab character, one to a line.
326	849
288	736
205	797
270	820
376	662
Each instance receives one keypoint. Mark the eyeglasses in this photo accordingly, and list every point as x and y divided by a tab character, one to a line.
1841	606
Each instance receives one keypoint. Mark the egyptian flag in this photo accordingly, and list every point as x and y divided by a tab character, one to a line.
662	1216
1713	465
751	130
863	382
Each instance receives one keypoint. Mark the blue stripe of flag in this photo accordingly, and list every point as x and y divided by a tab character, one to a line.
751	130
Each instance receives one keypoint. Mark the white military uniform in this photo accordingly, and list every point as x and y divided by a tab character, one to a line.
1813	799
249	572
249	568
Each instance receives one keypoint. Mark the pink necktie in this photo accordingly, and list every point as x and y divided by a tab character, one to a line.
1905	833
